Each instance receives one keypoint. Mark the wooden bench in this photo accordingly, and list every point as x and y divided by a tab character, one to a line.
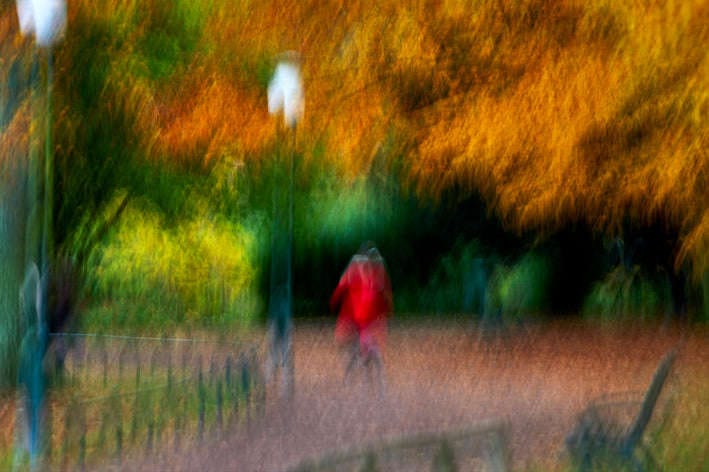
482	447
609	432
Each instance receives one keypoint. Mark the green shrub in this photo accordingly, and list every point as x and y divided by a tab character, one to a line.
451	288
625	293
520	290
200	270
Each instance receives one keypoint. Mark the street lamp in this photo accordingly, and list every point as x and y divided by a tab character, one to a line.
285	95
46	21
285	91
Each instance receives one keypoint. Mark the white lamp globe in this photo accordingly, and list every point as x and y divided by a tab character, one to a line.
285	92
46	19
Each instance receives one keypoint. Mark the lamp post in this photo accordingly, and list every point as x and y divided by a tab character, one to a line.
285	95
45	20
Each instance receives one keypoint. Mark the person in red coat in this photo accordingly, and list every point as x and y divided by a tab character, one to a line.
364	298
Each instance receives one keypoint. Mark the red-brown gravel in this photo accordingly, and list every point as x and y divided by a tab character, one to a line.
440	377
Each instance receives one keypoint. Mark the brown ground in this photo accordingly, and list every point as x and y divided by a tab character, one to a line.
439	377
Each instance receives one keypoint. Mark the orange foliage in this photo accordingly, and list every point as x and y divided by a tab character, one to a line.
14	137
14	142
556	111
210	116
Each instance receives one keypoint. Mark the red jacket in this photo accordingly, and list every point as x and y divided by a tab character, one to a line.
363	293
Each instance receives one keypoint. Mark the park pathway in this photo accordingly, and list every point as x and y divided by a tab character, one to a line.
439	378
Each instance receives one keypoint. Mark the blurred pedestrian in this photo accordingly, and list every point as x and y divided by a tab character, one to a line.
364	298
31	379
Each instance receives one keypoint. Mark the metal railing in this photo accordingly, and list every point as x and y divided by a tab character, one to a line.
113	396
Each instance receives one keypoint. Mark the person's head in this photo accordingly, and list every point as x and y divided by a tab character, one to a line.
369	250
366	247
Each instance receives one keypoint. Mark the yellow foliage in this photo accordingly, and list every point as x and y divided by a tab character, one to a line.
206	263
14	142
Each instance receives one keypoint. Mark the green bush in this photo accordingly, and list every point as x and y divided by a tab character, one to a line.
451	288
200	270
520	290
626	293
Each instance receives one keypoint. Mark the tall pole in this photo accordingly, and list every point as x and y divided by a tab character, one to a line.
46	21
289	368
48	173
284	95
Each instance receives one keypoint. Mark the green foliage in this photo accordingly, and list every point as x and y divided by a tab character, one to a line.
172	33
626	293
332	211
521	290
457	92
526	286
451	287
704	304
11	256
198	270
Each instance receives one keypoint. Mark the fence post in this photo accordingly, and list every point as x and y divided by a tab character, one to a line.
246	386
87	359
153	360
119	441
117	412
227	371
68	415
151	424
231	394
104	355
201	393
149	441
82	442
160	409
134	419
186	393
212	371
185	359
121	361
219	407
176	422
48	426
101	442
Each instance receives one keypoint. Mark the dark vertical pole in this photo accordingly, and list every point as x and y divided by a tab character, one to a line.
134	421
42	412
48	175
119	441
219	418
177	416
151	423
281	291
289	374
202	400
104	355
37	405
82	440
69	414
246	387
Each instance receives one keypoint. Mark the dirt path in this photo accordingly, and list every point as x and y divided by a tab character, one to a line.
440	378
